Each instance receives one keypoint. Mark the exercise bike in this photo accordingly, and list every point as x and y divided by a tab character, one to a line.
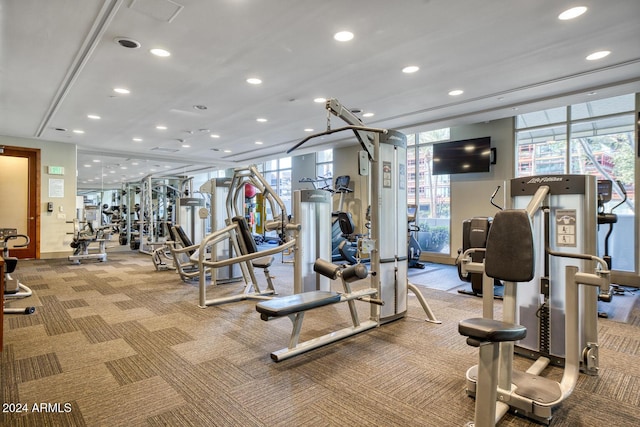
13	288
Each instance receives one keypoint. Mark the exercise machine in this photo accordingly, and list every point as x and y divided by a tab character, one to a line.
344	245
13	288
383	159
308	241
474	235
89	242
553	217
605	192
295	306
414	246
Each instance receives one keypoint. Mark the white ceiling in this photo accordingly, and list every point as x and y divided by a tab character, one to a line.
59	62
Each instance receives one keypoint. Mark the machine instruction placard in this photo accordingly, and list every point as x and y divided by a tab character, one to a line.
566	227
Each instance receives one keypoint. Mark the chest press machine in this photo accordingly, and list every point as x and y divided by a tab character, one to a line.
541	301
384	156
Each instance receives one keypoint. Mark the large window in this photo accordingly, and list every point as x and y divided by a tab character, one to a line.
324	164
278	174
594	138
430	193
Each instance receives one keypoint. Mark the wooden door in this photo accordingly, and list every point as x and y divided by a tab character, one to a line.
20	196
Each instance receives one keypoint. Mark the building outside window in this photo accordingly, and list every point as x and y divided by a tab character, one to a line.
430	193
593	138
324	165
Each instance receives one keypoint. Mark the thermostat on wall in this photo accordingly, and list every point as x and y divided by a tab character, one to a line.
55	170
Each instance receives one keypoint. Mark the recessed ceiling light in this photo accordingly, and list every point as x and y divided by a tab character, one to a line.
254	81
320	100
185	145
343	36
93	116
135	163
121	90
123	167
574	12
226	151
214	135
87	166
78	131
261	120
96	161
368	115
112	171
258	142
160	52
410	69
161	127
598	55
137	139
308	130
456	92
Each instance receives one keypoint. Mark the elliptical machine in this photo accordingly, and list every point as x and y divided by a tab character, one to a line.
414	245
605	190
13	288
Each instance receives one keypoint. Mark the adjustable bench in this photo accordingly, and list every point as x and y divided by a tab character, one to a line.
294	307
284	306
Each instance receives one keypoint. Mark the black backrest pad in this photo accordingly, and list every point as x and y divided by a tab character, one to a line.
478	232
510	254
245	234
182	235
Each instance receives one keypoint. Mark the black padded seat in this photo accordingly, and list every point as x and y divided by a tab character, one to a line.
263	262
284	306
489	330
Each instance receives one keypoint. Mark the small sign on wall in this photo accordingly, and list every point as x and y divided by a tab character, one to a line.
56	187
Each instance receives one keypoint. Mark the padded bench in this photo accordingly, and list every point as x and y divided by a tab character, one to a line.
284	306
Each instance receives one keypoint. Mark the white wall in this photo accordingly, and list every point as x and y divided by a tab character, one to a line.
470	193
54	242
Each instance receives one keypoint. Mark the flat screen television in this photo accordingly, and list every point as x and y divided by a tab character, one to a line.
464	156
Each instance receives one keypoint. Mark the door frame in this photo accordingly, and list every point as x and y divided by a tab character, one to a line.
33	209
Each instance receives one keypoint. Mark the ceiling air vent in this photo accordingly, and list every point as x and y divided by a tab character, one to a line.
165	150
127	42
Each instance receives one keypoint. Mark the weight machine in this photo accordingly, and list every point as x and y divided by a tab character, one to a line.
384	159
550	304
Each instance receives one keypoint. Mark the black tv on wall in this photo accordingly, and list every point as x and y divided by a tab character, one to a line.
464	156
